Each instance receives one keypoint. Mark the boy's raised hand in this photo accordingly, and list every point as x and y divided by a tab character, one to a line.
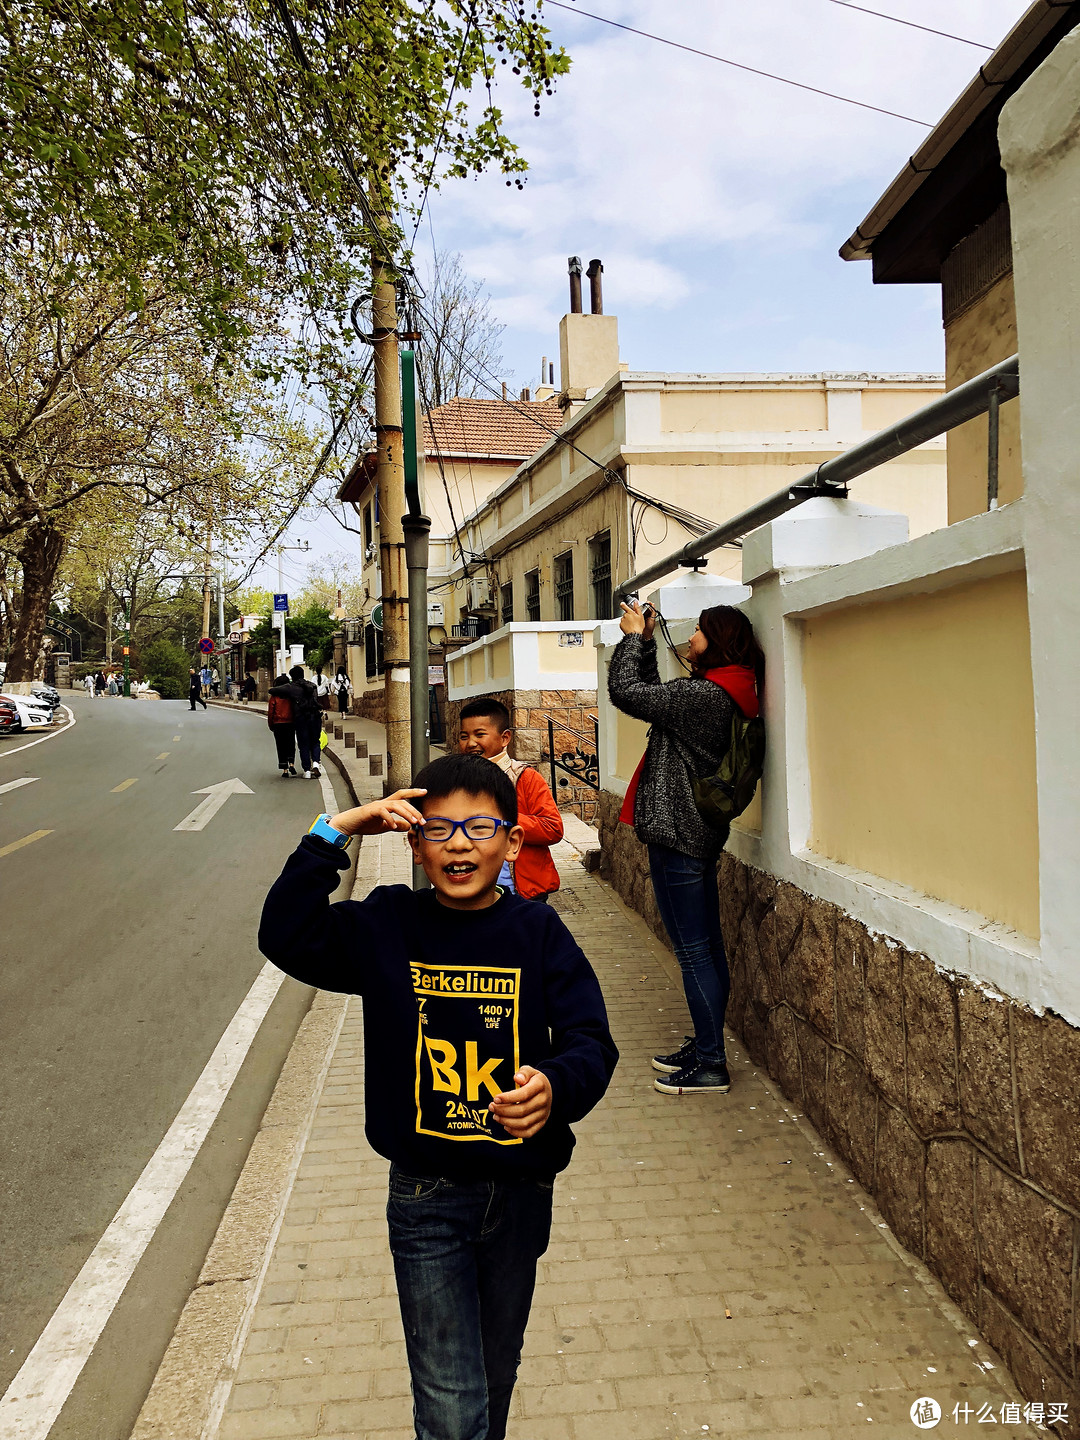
525	1111
380	816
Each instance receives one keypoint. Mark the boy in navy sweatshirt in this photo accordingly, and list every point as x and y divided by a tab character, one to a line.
485	1038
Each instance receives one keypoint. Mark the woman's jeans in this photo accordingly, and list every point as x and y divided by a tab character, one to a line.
465	1258
688	899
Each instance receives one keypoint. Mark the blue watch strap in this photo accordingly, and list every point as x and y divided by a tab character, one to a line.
325	831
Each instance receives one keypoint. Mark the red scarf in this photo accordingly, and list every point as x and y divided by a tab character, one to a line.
740	683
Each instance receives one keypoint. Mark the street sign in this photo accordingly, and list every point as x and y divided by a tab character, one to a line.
376	617
206	646
281	602
235	638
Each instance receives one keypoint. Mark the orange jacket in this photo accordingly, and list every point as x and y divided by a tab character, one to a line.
538	816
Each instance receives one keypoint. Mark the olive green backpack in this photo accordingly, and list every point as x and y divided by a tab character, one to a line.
727	792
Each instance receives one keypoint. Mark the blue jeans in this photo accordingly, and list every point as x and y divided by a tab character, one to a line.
308	731
465	1258
688	899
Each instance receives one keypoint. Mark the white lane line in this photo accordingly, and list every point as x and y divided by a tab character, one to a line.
41	741
15	784
328	800
40	1390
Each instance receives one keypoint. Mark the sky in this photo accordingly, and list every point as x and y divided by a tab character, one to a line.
716	199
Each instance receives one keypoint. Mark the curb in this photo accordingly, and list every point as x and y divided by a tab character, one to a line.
188	1395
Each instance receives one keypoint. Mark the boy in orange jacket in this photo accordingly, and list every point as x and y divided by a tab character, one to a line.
484	729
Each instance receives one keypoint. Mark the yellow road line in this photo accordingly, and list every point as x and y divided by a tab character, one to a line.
176	739
163	756
26	840
124	785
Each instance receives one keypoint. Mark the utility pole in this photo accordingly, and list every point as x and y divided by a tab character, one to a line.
390	482
222	641
416	527
206	587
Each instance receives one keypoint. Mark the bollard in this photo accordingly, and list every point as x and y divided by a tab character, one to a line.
361	749
350	739
338	732
375	765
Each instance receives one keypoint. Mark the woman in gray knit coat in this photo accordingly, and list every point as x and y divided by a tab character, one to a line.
690	730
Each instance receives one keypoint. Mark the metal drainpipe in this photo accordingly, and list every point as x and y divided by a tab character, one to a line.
596	292
574	266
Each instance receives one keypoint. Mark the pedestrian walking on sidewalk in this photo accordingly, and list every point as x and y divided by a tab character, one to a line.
307	717
195	695
342	689
88	684
280	716
691	726
485	1039
99	683
322	689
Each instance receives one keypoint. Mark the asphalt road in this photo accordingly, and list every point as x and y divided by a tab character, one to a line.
127	948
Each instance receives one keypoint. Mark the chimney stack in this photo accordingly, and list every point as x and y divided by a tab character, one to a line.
596	293
574	266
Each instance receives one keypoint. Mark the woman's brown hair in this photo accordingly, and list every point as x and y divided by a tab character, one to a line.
731	641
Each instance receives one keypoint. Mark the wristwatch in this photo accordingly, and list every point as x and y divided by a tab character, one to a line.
325	831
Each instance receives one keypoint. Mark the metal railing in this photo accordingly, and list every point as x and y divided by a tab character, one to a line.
579	764
981	396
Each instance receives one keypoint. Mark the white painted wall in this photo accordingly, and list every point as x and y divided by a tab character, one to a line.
1039	133
527	671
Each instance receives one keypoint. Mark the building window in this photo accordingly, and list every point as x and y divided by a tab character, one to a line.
373	651
532	595
564	585
368	532
506	599
600	575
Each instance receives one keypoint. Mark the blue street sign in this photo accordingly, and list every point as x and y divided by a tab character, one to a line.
281	602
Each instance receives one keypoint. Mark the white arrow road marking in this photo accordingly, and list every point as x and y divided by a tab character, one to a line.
39	1391
15	784
216	795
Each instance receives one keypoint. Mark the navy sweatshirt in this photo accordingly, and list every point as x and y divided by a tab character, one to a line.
455	1002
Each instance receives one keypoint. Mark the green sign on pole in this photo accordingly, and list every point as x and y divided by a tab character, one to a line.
409	436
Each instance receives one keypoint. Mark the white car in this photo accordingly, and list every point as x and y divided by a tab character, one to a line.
34	713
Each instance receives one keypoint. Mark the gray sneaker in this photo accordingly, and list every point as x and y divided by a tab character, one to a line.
695	1080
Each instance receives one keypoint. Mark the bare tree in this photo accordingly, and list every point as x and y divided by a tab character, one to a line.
459	351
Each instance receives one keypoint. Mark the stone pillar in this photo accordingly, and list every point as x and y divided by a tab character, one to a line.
1039	134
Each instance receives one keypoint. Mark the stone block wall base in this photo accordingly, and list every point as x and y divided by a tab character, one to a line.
370	705
958	1110
529	711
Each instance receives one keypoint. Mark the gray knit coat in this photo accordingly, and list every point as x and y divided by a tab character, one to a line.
690	731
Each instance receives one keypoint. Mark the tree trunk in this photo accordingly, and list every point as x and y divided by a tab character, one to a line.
39	555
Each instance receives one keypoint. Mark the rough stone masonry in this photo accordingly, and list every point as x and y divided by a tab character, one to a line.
956	1107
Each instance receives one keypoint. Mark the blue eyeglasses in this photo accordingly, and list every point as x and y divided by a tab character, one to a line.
476	827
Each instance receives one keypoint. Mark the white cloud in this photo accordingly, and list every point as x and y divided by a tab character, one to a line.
669	166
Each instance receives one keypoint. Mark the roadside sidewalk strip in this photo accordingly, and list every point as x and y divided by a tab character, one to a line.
191	1390
39	1391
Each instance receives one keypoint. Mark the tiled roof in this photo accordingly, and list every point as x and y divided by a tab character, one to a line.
472	426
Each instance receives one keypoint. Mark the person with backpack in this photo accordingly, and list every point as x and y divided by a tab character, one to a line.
342	687
698	734
279	716
307	717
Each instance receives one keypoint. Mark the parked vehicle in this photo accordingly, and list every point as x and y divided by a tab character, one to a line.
48	693
9	718
33	713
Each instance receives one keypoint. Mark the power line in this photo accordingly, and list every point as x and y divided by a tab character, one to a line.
913	25
735	64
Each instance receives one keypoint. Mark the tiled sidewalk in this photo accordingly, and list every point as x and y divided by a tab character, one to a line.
713	1269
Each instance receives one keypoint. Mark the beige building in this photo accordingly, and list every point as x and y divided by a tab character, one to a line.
646	461
471	446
